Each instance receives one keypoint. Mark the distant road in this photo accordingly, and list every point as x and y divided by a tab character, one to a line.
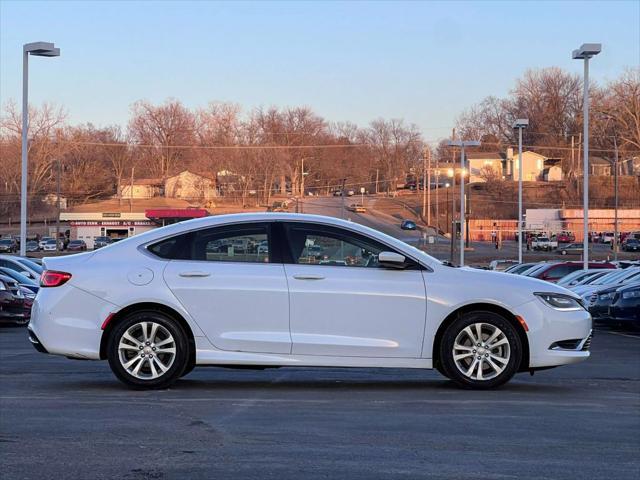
332	206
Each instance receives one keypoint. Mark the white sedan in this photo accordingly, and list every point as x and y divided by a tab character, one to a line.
158	304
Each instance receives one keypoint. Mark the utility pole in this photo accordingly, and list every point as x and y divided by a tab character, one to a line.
462	144
437	201
424	187
615	221
453	198
131	191
377	177
342	198
58	205
301	183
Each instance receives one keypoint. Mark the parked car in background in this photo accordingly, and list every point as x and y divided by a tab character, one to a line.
408	225
555	271
544	243
518	268
617	277
606	237
43	241
24	281
22	265
625	306
52	245
8	245
502	265
100	242
32	246
574	278
12	302
76	246
572	249
565	237
631	245
600	301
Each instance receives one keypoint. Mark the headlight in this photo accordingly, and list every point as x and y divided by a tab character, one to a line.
606	296
560	301
631	294
2	287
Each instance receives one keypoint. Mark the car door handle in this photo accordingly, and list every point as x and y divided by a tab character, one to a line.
194	274
308	277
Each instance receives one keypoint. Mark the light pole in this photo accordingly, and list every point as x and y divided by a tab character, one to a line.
520	124
585	52
451	173
462	144
38	49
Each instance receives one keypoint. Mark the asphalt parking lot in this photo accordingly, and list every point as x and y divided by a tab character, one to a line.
65	419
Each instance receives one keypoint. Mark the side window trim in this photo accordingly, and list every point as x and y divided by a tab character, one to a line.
287	257
182	250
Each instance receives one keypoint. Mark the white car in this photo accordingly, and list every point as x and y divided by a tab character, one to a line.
43	242
157	304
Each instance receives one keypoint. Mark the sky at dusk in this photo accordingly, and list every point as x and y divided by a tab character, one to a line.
422	61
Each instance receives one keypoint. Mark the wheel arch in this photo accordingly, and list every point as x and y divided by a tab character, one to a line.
147	306
485	307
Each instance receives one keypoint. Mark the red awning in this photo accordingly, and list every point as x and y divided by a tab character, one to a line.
160	213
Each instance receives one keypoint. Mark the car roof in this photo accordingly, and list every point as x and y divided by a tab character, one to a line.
238	218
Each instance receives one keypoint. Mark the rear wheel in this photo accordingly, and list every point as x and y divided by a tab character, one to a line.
480	350
148	350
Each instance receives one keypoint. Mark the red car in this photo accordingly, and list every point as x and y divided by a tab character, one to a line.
565	237
555	271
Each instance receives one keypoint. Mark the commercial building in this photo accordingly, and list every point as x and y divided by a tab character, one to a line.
120	219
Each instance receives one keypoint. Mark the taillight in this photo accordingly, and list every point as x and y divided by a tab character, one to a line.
51	278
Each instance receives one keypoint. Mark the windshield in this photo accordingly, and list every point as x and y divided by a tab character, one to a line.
29	264
17	276
609	278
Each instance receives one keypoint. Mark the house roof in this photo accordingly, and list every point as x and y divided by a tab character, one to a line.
600	161
145	181
486	156
203	175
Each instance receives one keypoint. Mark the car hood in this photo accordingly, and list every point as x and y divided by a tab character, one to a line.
491	286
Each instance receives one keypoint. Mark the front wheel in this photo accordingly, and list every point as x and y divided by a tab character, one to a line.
148	350
480	350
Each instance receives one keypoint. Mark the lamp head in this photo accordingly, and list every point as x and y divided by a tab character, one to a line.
587	50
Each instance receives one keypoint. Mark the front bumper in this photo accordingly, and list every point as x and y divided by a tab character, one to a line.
556	337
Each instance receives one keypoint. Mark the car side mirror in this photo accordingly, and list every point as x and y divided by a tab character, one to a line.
392	260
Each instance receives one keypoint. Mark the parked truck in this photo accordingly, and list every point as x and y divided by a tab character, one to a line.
544	243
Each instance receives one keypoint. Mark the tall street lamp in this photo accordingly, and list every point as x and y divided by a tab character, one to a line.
38	49
520	124
462	144
585	52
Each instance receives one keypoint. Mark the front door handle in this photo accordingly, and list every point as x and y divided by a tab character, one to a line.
308	277
194	274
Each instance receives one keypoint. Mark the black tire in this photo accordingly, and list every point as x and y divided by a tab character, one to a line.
448	364
177	367
191	364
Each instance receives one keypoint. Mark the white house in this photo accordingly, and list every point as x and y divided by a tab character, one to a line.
142	188
188	185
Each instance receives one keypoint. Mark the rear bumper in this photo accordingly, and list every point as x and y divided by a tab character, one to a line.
36	342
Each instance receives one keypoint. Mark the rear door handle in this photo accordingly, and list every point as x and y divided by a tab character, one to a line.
194	274
308	277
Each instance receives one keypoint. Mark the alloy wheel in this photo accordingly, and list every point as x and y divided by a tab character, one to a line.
481	351
147	350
